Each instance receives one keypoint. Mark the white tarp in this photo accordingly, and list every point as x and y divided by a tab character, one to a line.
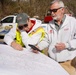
14	62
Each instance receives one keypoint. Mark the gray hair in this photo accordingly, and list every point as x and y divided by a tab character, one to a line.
59	2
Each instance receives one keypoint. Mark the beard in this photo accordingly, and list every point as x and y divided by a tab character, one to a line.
54	18
57	17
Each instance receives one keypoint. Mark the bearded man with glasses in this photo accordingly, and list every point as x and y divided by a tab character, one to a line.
28	31
62	36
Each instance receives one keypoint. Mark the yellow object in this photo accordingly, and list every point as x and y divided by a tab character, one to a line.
19	38
38	30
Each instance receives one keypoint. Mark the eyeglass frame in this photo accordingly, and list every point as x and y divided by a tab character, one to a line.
54	10
22	26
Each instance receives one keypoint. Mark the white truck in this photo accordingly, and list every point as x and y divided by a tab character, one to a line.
6	24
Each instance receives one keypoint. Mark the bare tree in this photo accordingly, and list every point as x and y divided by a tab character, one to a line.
31	7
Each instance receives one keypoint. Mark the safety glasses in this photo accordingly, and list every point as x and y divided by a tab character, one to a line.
54	10
22	26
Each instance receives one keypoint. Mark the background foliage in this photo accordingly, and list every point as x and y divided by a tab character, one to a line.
31	7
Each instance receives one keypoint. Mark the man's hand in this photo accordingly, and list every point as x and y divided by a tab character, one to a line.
60	46
16	46
35	51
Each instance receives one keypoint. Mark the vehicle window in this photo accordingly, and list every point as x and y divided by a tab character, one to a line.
8	20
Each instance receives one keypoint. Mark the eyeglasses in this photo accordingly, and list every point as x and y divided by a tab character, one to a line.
54	10
21	27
